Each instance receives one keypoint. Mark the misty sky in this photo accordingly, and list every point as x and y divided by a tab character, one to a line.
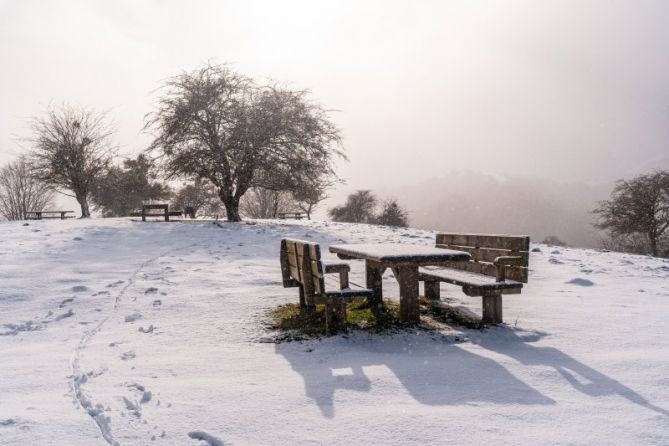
569	90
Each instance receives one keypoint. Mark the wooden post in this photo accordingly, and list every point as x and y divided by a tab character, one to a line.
432	289
335	317
143	213
492	309
343	280
374	273
303	302
409	311
167	212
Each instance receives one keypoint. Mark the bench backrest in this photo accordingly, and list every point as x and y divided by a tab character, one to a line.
485	248
301	266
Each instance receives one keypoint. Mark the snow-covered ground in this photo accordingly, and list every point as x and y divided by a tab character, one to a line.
130	333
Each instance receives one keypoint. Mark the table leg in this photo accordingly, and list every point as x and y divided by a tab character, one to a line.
374	273
409	310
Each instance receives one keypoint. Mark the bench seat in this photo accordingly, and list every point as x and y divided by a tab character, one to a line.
499	266
473	284
352	293
301	266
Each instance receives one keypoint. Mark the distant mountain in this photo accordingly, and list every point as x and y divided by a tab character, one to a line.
475	202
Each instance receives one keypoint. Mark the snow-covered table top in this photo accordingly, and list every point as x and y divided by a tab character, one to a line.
399	253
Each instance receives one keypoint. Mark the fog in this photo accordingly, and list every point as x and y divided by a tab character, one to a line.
567	91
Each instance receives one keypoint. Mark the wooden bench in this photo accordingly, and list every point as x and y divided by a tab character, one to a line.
498	266
302	267
40	215
295	215
165	208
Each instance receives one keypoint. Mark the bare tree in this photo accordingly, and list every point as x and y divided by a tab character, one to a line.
198	196
392	214
360	207
218	125
265	203
309	194
72	149
638	206
21	192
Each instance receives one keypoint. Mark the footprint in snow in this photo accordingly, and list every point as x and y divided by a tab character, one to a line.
133	317
149	329
79	289
580	282
157	303
115	284
77	239
145	394
66	301
69	313
151	290
126	356
209	439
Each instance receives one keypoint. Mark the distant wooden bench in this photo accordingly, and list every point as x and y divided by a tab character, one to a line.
166	213
40	215
295	215
301	266
498	266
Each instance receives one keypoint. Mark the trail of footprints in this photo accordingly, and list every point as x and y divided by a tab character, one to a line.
129	413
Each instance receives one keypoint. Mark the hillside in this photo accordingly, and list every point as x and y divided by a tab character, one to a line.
130	333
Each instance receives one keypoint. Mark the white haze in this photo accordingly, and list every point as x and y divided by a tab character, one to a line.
572	91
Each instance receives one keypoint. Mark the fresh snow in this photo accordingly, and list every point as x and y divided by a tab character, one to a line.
128	333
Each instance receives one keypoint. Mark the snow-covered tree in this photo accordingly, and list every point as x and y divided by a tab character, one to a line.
21	192
124	188
215	124
71	150
392	214
638	206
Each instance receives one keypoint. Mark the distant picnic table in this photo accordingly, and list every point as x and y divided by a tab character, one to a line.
404	260
40	215
295	215
149	210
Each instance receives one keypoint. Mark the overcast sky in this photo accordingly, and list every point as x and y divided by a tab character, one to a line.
569	90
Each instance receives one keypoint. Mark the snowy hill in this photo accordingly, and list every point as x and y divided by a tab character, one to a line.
119	332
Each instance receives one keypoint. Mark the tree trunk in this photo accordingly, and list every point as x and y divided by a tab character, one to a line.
83	202
653	245
232	211
231	207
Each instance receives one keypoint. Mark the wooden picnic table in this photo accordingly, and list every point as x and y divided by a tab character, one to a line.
404	260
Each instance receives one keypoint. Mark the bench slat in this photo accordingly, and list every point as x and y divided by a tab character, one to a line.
488	254
467	279
511	242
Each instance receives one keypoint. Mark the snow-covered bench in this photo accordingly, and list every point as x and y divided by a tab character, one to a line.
498	266
302	267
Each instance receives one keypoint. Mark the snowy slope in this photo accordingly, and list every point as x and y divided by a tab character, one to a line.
130	333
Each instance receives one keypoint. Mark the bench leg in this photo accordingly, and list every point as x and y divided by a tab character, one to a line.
492	309
374	273
303	302
335	318
433	289
409	309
